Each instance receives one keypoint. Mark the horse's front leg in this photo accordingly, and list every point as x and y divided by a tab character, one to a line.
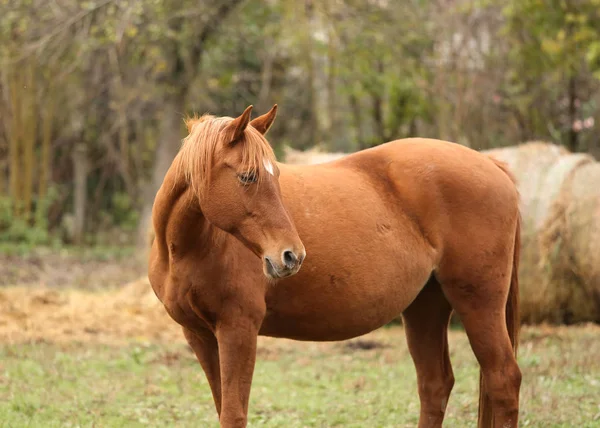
204	344
237	337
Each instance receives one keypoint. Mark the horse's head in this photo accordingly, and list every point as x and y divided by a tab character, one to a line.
236	179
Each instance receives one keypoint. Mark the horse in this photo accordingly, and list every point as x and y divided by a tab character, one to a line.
246	246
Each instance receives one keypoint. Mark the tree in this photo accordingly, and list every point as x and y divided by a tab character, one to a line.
182	53
555	51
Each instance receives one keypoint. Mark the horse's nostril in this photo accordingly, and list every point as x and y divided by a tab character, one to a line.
289	258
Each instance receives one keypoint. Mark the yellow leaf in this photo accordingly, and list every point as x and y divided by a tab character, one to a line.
132	32
551	47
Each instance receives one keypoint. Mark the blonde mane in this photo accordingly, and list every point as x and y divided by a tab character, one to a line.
199	148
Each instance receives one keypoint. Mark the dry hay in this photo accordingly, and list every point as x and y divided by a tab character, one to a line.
109	316
120	317
570	244
559	204
313	155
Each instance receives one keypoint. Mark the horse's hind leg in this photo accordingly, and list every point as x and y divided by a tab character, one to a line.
426	325
205	347
481	305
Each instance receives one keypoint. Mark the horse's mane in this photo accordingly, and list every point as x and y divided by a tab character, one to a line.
197	153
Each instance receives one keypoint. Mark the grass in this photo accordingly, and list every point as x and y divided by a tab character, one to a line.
295	384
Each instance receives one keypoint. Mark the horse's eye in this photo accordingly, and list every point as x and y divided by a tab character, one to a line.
247	177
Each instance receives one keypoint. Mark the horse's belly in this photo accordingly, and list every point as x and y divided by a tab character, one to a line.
366	261
330	307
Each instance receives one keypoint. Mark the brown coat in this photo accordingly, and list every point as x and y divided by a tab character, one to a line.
246	246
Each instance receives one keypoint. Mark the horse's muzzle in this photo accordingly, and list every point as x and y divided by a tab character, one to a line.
287	264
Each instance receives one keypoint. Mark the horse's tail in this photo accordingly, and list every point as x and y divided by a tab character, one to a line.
513	321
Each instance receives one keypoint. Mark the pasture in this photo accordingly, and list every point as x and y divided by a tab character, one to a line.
97	163
112	358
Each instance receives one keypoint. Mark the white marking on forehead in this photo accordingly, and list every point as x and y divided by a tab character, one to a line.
268	166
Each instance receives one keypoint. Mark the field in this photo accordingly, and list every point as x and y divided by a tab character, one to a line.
113	359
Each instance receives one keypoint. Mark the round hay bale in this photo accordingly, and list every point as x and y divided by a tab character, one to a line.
551	291
530	163
570	246
583	217
308	157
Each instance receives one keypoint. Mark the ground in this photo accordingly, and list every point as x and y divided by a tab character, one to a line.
112	357
82	268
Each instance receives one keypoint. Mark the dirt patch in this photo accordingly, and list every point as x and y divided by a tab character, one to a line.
364	345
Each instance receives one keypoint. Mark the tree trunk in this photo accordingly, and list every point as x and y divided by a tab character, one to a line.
122	154
266	79
2	169
15	141
573	136
167	146
4	136
356	114
80	168
45	161
378	108
331	89
313	126
170	128
378	117
30	136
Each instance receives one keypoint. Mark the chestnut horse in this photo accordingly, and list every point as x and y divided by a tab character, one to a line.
417	227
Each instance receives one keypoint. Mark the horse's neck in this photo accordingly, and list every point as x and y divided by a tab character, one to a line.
177	204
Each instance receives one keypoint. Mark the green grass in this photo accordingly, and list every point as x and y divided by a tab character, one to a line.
295	384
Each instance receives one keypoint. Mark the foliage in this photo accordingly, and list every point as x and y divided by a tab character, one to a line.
554	51
18	230
117	77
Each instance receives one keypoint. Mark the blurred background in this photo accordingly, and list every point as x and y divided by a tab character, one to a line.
93	94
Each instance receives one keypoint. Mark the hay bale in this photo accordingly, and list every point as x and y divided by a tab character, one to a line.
570	245
313	155
583	220
540	169
553	287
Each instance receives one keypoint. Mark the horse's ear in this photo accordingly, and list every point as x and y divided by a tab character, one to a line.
238	125
264	122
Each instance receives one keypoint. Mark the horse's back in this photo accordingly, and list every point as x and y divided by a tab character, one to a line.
418	176
459	197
